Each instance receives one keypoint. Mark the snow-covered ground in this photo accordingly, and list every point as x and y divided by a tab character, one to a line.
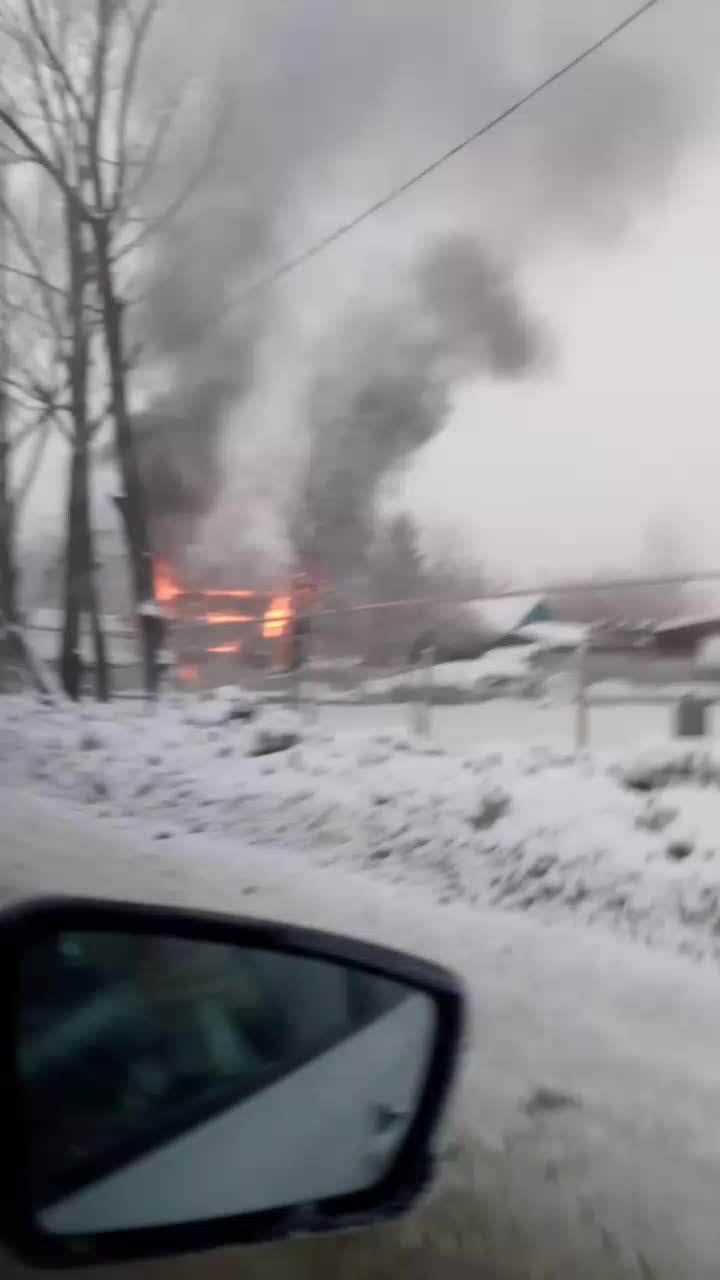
585	1138
500	824
510	669
504	674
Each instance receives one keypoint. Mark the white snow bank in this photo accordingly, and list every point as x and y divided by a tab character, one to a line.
556	635
619	691
656	764
219	706
584	1138
151	609
527	828
500	671
277	730
500	615
311	691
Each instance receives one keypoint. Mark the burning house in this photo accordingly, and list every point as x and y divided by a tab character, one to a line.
212	626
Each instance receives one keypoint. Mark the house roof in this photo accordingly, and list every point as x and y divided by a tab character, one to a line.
687	622
500	615
556	635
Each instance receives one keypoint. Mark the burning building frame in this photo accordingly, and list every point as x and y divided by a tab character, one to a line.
212	622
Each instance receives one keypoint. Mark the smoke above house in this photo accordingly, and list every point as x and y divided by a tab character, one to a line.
326	96
384	386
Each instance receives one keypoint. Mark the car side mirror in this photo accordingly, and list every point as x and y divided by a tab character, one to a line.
174	1081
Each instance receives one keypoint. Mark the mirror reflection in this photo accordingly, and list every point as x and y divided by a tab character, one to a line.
167	1080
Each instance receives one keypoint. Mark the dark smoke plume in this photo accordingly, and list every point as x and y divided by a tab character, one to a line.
179	459
325	93
384	390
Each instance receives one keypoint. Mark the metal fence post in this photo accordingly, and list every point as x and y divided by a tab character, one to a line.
581	704
423	702
691	717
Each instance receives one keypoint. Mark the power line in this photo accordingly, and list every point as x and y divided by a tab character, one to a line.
325	242
578	587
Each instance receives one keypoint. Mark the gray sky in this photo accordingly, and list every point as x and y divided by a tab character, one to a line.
568	471
598	204
603	198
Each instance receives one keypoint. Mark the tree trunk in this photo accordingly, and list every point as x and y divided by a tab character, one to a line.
12	656
132	503
80	587
9	617
102	672
70	662
14	652
81	595
8	577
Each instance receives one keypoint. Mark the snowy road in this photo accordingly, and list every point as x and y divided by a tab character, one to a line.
586	1135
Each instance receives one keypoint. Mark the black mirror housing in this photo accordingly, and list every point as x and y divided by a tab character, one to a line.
76	1189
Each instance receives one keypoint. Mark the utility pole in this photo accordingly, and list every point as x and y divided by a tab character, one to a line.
581	703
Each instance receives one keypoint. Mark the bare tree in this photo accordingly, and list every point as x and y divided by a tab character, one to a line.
81	592
664	555
396	572
26	409
453	568
8	595
77	72
49	328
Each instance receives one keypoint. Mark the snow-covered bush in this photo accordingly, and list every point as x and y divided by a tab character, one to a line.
275	731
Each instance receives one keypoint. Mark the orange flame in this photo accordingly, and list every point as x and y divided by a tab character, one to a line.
232	595
277	617
217	619
166	588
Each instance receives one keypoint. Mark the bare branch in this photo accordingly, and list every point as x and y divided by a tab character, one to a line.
33	389
32	258
33	278
23	388
96	425
43	427
106	12
152	225
54	61
151	154
26	432
40	157
40	428
11	156
21	308
49	116
127	92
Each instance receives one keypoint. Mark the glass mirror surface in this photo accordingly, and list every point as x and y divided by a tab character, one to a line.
168	1081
